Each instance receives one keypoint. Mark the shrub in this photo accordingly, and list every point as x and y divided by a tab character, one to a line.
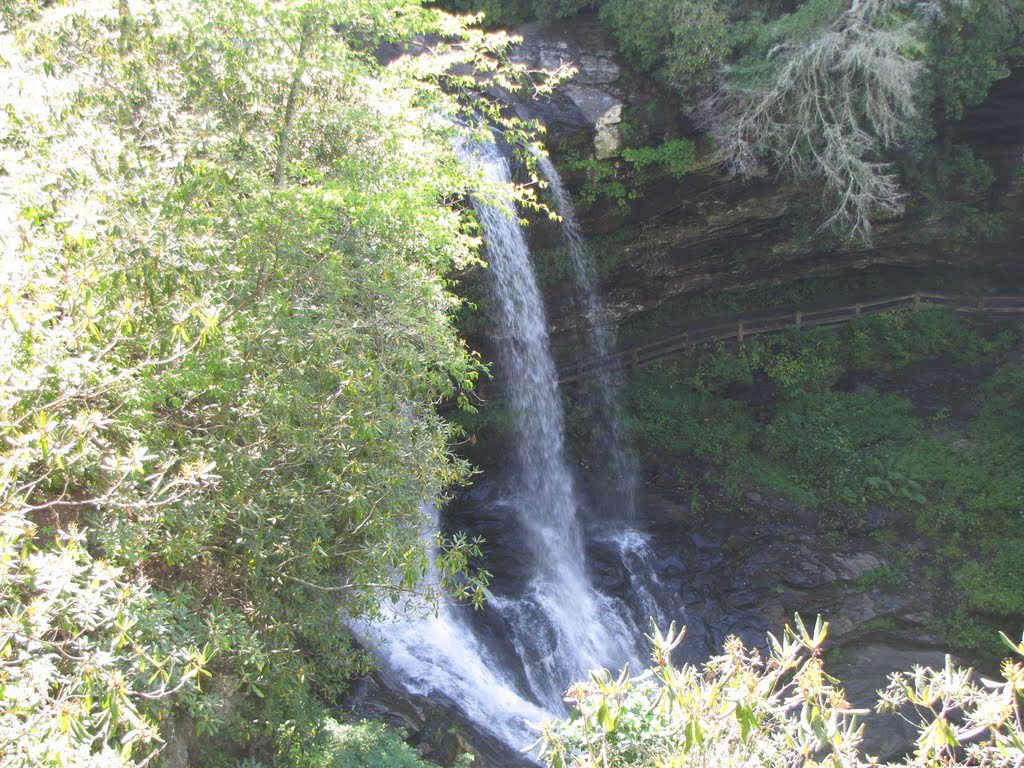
365	744
840	442
674	157
223	328
780	710
683	40
992	587
675	416
969	46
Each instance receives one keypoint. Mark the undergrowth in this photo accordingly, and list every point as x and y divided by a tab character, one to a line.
367	744
784	414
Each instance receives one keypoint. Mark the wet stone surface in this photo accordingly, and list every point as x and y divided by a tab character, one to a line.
734	566
747	567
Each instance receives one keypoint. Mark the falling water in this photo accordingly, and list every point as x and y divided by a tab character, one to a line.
429	653
583	631
557	626
610	440
610	435
647	590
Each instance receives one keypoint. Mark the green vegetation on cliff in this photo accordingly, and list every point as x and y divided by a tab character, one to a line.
849	96
808	416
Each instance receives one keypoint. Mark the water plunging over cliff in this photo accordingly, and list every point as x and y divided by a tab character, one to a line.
611	443
552	625
583	629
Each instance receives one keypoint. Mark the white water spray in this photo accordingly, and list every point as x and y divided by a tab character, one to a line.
558	627
430	653
583	631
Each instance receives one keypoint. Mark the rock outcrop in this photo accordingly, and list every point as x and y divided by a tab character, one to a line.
711	232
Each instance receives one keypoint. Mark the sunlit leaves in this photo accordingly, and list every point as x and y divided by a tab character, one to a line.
225	321
781	710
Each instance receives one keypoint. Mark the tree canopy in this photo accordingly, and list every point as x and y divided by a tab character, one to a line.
224	323
842	94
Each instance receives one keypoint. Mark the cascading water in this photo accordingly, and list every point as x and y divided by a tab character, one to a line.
612	445
436	653
554	626
609	434
583	630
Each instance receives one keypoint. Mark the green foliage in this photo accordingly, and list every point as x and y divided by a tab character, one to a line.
496	13
603	183
992	587
676	413
14	13
756	38
641	28
675	157
721	369
684	41
801	363
698	45
968	633
223	327
795	95
841	443
549	10
816	445
789	88
364	744
847	447
896	339
825	103
976	478
87	651
610	182
784	709
511	13
947	181
969	46
763	472
882	576
826	90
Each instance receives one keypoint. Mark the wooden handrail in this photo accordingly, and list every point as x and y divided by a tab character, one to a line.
740	327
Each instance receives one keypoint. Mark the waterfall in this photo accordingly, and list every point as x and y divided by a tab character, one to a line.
583	631
609	438
552	626
436	653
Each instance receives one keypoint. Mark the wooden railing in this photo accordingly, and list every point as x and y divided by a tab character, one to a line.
651	349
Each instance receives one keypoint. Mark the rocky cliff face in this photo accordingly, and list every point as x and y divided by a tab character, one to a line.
745	565
708	231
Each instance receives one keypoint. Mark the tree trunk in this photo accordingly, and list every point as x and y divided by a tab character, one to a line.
290	106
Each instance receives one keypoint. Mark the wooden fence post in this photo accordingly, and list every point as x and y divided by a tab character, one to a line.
799	319
857	309
981	305
917	299
739	331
